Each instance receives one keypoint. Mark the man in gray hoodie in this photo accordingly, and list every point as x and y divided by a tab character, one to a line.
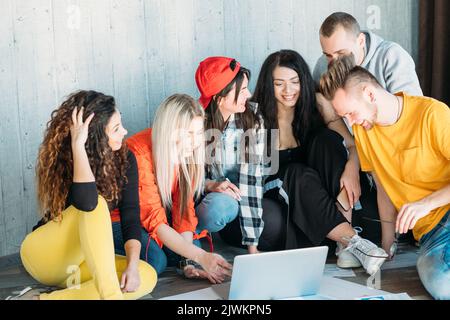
393	67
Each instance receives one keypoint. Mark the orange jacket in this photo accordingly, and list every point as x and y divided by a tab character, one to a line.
153	213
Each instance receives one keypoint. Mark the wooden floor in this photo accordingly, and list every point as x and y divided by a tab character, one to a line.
403	278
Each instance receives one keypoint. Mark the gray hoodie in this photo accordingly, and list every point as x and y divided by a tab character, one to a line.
388	62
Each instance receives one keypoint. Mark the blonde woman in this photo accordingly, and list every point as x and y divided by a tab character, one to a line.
83	171
170	159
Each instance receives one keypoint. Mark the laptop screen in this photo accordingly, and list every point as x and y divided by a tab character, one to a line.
278	275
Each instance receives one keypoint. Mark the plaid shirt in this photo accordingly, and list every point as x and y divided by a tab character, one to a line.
250	176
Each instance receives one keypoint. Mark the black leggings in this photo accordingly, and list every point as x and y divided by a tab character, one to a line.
312	185
273	235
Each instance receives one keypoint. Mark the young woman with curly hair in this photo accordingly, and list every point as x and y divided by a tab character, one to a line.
84	171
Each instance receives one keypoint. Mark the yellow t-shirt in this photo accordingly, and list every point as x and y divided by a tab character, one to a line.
412	157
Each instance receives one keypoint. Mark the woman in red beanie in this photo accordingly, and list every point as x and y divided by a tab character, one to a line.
234	157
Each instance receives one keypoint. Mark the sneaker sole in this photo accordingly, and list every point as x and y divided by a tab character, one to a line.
348	265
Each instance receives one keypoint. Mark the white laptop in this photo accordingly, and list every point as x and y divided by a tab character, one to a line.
277	275
285	275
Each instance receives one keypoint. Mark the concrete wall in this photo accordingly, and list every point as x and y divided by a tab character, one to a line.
140	51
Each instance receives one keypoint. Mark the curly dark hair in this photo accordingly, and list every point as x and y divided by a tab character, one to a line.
54	168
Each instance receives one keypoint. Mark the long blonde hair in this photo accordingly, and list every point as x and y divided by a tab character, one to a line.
175	114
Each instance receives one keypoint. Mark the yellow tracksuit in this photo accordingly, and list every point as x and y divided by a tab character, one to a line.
77	254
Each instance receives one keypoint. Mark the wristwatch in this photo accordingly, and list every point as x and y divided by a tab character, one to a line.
187	262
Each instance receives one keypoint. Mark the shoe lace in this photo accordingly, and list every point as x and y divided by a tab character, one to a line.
358	230
341	247
394	246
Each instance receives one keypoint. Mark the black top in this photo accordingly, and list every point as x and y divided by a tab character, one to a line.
286	157
84	197
289	156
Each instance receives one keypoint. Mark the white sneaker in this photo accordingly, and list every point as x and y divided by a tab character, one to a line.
346	259
370	256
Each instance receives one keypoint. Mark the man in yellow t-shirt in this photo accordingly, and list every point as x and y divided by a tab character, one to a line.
404	142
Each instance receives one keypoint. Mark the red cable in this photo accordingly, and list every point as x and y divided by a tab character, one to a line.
146	250
210	241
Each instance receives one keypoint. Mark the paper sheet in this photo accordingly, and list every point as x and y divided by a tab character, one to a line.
203	294
331	288
332	270
403	260
345	290
399	296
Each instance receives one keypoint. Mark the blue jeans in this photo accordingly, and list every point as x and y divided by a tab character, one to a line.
215	211
158	258
433	264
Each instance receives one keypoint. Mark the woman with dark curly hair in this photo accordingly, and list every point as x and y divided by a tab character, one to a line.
83	172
